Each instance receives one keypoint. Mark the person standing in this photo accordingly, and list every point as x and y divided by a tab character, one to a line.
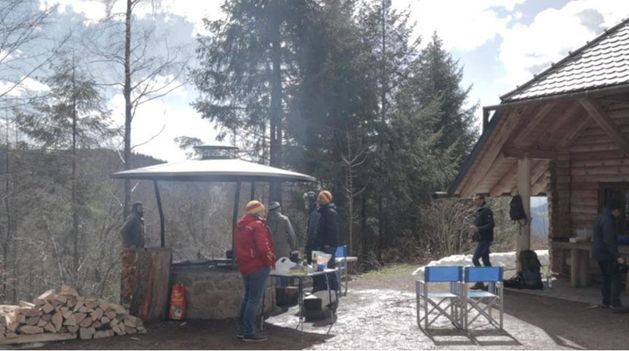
312	224
605	251
132	231
255	257
483	231
327	238
282	232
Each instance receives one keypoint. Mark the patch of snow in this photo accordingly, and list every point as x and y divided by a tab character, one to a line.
506	260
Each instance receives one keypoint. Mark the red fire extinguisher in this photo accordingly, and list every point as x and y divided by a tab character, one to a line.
177	302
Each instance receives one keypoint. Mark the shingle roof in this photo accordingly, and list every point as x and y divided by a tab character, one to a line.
603	62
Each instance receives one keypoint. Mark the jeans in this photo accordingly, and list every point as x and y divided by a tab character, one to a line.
254	284
610	288
482	252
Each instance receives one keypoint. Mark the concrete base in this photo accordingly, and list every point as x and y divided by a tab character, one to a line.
213	293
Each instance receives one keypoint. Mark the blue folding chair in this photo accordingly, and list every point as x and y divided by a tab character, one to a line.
481	303
343	275
433	304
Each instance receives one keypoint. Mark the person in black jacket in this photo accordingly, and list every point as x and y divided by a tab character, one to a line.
132	231
312	224
327	238
605	251
483	232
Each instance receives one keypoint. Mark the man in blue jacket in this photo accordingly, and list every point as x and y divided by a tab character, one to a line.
605	251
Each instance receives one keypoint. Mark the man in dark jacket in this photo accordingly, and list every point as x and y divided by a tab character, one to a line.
605	251
255	257
133	228
483	232
327	238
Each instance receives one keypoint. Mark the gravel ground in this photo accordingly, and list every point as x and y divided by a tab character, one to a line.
379	313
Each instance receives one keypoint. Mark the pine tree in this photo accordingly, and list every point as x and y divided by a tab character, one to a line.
437	80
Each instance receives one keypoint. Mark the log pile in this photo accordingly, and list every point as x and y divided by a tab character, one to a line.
65	315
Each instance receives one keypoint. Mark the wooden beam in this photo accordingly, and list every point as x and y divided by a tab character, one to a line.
532	152
537	171
507	178
563	122
600	116
491	150
525	133
524	189
572	134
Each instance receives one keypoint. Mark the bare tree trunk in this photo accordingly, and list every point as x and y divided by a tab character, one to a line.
127	106
276	108
75	214
383	103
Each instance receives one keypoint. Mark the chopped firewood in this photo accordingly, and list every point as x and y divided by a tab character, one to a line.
67	314
29	329
42	322
26	304
32	320
104	320
48	295
130	322
73	328
61	299
47	308
79	317
68	291
50	328
97	324
47	317
130	330
103	334
71	320
110	314
86	333
86	322
97	314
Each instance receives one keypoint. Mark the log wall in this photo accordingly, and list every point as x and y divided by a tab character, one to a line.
575	178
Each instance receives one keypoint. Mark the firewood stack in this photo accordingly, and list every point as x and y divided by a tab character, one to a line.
64	316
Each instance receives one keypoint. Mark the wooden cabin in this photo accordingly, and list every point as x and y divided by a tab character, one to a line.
563	134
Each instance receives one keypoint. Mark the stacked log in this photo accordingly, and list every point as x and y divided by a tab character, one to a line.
65	315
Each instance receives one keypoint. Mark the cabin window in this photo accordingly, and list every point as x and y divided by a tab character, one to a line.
620	192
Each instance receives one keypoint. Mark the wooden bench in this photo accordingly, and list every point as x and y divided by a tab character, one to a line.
580	254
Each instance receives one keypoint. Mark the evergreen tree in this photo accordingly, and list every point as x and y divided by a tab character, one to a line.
437	79
71	118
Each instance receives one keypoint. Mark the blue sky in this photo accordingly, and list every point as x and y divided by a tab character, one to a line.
500	44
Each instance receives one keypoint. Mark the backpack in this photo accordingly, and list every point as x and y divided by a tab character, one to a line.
516	210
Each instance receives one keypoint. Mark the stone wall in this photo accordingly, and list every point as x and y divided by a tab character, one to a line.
214	293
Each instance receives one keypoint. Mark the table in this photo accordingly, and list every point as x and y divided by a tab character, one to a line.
341	263
580	253
300	299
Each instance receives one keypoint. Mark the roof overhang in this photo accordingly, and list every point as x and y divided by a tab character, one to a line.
219	170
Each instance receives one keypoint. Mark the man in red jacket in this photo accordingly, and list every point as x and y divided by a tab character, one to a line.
255	256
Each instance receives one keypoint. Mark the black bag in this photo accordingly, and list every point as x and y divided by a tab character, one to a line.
531	277
516	210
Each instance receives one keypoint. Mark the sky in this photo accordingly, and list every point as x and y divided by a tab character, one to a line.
499	43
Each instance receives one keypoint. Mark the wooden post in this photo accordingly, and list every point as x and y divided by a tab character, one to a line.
161	215
524	189
253	190
234	220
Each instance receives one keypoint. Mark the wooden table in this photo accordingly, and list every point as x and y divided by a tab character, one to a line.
580	254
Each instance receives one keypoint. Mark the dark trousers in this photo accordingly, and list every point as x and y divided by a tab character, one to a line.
482	252
254	289
610	289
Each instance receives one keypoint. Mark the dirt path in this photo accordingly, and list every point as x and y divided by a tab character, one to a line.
379	313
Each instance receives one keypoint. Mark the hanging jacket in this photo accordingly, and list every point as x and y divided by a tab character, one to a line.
254	246
282	232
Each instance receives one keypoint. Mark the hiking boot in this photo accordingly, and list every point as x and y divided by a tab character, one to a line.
618	309
253	338
478	286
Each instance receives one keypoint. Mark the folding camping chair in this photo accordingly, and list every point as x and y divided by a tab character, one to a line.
480	303
343	275
432	305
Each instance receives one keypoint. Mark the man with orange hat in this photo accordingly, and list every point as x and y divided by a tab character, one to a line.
255	257
327	233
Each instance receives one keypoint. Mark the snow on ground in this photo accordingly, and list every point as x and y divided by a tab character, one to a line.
504	259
